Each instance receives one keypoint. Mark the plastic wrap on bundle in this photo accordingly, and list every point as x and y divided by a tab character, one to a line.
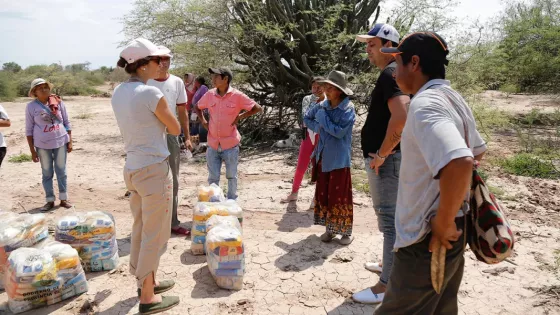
85	228
202	212
17	231
93	235
212	193
225	255
44	275
226	220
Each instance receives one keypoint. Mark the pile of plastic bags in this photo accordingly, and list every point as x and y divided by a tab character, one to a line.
93	235
43	275
225	252
16	231
202	212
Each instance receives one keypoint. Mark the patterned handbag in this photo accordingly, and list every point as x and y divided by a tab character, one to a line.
488	232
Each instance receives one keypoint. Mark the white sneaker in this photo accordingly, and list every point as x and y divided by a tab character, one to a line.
373	267
366	296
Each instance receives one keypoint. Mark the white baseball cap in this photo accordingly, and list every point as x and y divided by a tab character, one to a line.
381	30
168	54
141	48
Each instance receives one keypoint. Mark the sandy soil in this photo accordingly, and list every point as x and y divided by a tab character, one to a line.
289	271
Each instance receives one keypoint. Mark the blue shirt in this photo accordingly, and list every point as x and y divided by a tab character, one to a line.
334	126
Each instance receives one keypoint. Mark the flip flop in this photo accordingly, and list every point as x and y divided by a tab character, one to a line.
167	303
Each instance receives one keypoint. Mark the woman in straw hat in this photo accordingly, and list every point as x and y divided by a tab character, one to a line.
49	136
144	120
333	120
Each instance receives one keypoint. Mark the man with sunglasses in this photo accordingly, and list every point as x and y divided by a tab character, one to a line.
173	89
224	104
435	177
381	135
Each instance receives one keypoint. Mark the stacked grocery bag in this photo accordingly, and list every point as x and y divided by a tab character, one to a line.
202	212
44	274
93	235
18	231
225	252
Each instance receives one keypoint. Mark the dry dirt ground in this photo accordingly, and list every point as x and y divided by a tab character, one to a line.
289	270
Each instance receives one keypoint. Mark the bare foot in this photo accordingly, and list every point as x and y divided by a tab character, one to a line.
379	288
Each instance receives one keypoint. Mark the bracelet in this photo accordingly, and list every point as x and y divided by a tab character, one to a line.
379	156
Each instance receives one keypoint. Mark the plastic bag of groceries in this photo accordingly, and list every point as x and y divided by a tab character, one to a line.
19	230
202	212
93	235
226	256
229	220
44	275
212	193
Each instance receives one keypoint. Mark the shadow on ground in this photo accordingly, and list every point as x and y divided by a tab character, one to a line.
305	254
206	287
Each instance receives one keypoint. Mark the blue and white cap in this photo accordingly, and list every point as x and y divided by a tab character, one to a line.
381	30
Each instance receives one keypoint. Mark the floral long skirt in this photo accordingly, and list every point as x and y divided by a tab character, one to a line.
334	208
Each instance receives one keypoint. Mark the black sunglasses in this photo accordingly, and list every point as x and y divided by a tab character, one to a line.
156	59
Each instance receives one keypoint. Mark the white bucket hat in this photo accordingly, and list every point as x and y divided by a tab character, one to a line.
141	48
36	83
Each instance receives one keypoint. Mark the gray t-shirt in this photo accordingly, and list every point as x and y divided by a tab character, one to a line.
145	138
432	137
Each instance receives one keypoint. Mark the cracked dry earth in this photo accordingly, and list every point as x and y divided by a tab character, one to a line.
288	269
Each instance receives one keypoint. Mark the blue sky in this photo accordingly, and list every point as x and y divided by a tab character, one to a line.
75	31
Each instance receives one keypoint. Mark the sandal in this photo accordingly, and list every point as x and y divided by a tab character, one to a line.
163	286
47	207
181	231
66	204
291	197
167	303
327	237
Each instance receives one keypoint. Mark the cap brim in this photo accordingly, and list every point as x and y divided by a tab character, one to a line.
214	71
391	50
364	38
346	91
162	52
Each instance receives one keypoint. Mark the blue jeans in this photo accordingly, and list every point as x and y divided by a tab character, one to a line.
383	190
214	161
54	161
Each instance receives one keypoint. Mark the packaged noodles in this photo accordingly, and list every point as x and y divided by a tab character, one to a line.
44	275
202	212
212	193
225	252
93	235
19	230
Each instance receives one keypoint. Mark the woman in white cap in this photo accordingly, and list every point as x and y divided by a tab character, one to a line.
49	135
144	119
333	120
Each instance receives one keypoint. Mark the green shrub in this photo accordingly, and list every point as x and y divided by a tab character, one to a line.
529	165
20	158
7	87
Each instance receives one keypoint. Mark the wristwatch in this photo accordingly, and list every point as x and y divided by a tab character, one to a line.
379	156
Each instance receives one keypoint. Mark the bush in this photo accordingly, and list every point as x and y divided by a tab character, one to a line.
20	158
7	87
529	165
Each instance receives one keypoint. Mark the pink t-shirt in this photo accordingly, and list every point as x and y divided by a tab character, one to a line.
223	111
